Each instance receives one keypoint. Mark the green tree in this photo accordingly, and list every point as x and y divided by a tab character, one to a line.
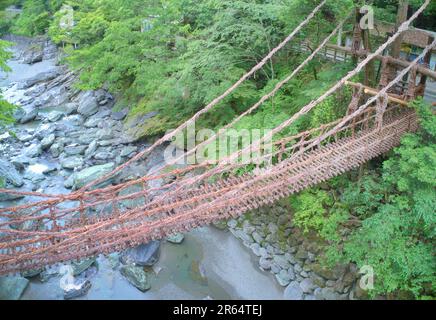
6	109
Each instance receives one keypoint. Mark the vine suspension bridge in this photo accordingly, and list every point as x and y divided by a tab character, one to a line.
90	221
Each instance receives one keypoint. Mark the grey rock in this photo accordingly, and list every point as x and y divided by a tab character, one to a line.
71	108
104	155
105	134
90	174
265	263
264	253
24	136
293	291
136	276
20	161
38	78
176	238
56	149
283	278
243	236
48	141
92	122
9	197
304	274
69	183
31	273
272	228
54	116
114	260
275	268
120	115
88	105
297	268
257	237
45	129
290	258
72	162
248	229
307	285
255	247
33	55
74	150
10	174
76	293
34	177
12	288
127	151
18	114
281	261
29	116
33	151
232	223
291	274
46	275
220	225
75	119
82	265
5	136
102	95
90	150
143	255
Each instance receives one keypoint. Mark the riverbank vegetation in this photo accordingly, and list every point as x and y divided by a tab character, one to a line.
171	58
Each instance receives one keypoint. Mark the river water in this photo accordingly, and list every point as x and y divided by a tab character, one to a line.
210	263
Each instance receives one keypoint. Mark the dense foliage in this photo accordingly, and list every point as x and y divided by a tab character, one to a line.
386	219
6	109
173	57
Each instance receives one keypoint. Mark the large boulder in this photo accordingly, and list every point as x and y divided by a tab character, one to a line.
136	276
84	177
10	174
54	116
56	149
9	197
307	285
33	151
145	255
71	162
74	149
48	141
283	278
38	78
28	116
71	108
293	291
33	55
12	288
78	292
88	104
176	238
82	265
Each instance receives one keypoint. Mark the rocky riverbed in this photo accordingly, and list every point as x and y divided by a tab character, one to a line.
64	138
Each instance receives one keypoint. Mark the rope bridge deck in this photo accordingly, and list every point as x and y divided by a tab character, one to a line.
32	240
